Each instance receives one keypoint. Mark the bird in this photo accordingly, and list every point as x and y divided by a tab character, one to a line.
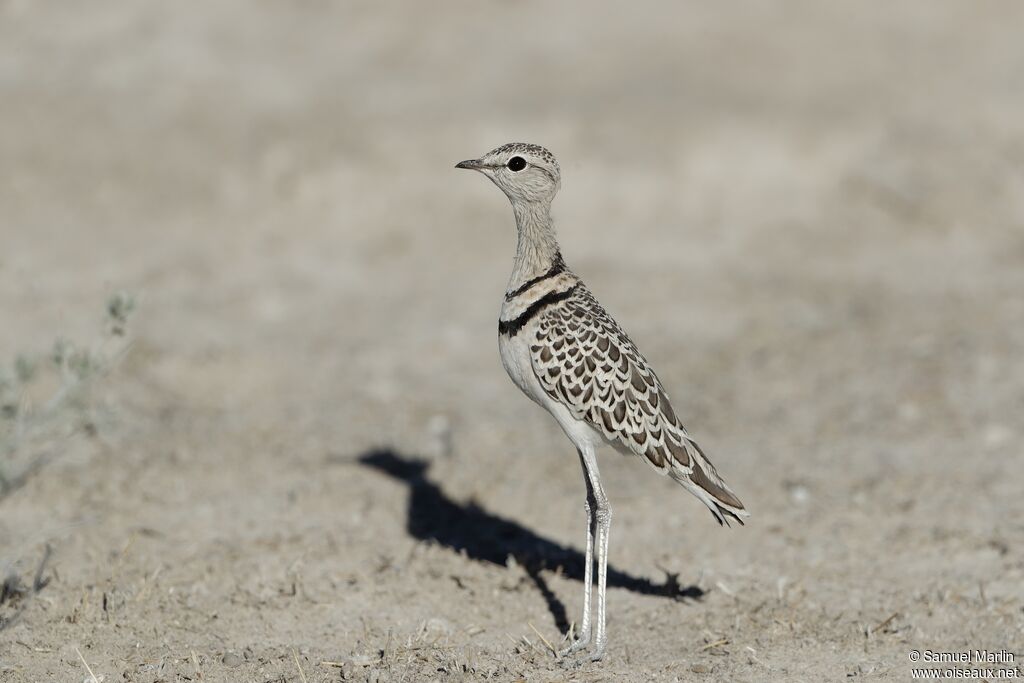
567	354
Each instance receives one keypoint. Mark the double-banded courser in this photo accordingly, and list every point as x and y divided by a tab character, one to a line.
567	354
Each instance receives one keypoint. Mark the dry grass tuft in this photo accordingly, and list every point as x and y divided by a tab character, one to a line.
47	399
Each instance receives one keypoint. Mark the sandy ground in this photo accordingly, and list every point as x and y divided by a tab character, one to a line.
810	216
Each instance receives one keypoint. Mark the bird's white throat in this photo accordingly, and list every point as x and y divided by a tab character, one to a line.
537	247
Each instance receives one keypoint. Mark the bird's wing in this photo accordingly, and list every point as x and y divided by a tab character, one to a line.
584	360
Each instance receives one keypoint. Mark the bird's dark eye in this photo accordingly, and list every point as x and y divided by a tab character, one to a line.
516	164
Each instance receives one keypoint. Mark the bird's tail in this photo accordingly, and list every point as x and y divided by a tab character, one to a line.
702	480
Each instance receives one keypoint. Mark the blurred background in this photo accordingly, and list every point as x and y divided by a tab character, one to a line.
254	423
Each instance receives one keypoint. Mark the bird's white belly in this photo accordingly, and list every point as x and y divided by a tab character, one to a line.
515	356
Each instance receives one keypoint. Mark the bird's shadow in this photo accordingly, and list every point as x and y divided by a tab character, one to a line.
471	530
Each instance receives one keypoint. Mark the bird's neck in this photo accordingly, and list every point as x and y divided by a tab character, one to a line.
537	250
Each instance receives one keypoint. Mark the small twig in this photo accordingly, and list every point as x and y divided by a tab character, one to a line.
725	589
195	663
753	656
127	546
302	674
541	636
334	664
886	622
530	643
405	671
717	643
39	583
87	667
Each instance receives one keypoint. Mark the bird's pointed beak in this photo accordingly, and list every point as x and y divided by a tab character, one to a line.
472	164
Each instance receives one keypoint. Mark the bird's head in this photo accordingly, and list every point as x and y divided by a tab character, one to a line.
525	173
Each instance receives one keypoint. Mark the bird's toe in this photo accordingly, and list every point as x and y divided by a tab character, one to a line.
574	646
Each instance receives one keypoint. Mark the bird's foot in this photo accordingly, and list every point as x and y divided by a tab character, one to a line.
576	645
581	659
573	648
600	645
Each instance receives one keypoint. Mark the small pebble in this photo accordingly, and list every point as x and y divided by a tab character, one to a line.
231	660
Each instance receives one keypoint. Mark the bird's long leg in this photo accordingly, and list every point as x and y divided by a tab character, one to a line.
602	514
588	571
